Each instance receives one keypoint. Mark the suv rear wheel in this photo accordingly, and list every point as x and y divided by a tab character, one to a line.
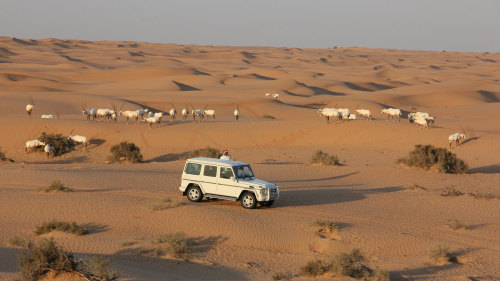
194	194
248	200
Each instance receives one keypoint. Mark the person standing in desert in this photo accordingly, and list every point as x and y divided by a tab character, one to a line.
225	155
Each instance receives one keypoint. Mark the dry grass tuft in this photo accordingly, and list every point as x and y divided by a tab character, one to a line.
451	191
61	226
441	254
329	225
323	158
56	185
480	195
282	276
415	187
177	243
350	265
266	116
314	268
456	224
21	242
381	275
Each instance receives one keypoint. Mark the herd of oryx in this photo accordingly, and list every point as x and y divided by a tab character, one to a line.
422	120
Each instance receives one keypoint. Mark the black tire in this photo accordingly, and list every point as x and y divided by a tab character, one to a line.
194	194
267	203
248	200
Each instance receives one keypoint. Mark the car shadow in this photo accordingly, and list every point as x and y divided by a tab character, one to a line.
312	197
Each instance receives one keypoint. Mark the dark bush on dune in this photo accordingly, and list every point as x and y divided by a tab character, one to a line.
2	155
427	157
60	143
205	152
125	152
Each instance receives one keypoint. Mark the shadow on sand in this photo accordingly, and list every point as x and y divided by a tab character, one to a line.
318	179
72	160
312	197
168	157
492	169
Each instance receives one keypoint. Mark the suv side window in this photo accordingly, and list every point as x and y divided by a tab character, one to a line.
210	171
193	169
226	173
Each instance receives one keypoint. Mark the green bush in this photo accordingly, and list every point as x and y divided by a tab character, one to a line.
323	158
61	226
60	143
427	156
314	268
350	264
323	59
205	152
44	257
177	243
125	151
55	186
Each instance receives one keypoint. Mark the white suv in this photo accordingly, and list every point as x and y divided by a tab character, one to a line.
228	180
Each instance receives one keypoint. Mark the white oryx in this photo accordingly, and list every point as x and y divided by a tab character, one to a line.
392	112
456	138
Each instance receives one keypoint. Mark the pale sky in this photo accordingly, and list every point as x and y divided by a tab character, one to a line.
452	25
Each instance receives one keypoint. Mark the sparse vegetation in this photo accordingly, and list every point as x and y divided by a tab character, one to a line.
381	275
282	276
456	224
2	155
266	116
314	268
56	185
401	59
329	225
451	191
60	143
20	242
61	226
45	256
166	203
125	152
441	254
480	195
178	244
323	158
205	152
323	59
126	243
350	264
427	156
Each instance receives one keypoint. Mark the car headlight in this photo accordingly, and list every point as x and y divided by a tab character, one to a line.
263	191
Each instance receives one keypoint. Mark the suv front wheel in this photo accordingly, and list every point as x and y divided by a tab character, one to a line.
248	200
194	194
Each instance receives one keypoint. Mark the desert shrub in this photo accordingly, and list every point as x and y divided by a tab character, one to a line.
323	158
61	226
21	242
56	185
330	225
44	257
125	151
323	59
205	152
267	116
60	143
314	268
441	254
480	195
401	59
177	243
427	156
381	275
350	264
451	191
99	267
282	276
166	203
456	224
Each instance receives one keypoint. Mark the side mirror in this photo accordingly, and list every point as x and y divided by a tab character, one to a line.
233	179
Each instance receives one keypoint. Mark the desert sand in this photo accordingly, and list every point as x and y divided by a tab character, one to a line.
368	197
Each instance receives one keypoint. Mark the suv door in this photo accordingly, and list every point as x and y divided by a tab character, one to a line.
209	178
225	185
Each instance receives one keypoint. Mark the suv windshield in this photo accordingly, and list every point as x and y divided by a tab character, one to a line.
243	172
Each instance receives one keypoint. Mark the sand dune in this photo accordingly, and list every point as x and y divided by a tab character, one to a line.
367	197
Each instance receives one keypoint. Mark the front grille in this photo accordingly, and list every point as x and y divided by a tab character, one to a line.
273	190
